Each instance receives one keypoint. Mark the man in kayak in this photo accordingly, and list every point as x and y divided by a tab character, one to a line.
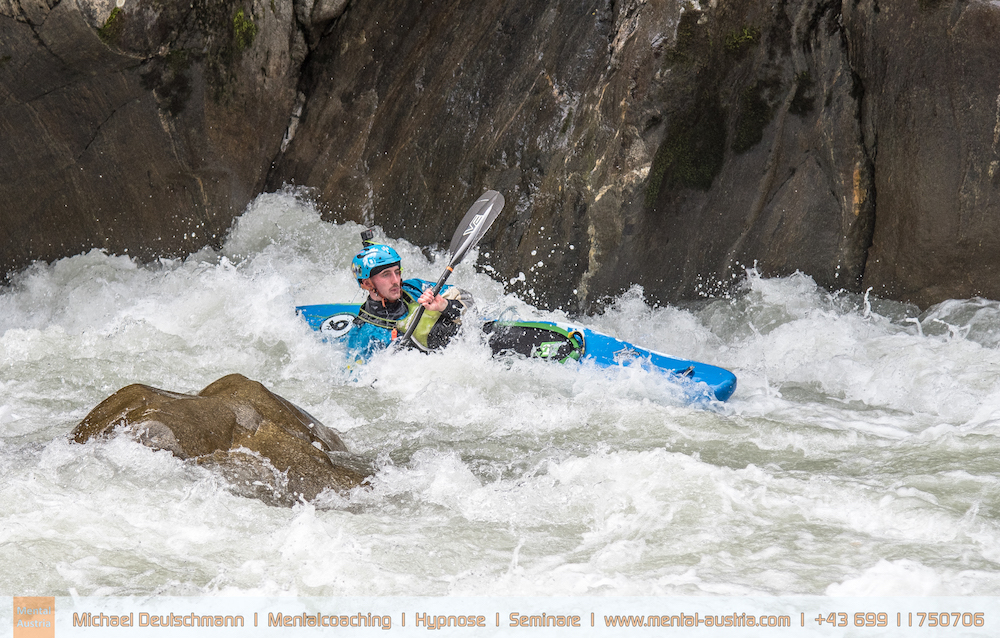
392	301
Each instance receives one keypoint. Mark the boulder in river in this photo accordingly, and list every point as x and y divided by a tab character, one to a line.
265	446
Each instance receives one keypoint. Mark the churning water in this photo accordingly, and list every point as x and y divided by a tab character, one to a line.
859	456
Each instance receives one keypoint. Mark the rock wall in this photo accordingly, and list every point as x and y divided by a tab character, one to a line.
931	117
643	144
636	141
140	129
760	159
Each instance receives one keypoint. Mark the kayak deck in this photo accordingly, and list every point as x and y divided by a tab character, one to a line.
581	343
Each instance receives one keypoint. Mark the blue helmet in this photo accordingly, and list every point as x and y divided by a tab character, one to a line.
373	259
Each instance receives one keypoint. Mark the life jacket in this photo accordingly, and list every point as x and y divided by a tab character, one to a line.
392	328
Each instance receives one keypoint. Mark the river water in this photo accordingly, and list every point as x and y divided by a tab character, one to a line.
859	456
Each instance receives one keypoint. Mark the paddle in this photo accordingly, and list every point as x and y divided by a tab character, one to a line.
472	228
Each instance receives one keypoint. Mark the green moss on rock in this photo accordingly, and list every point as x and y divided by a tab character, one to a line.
111	30
244	30
692	38
742	39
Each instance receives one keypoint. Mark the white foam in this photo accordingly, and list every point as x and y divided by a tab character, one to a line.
896	578
856	457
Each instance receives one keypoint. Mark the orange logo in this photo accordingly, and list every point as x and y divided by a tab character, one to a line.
34	617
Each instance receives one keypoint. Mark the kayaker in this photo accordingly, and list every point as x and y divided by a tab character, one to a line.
392	300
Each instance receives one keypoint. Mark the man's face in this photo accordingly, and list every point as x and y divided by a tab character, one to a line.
387	284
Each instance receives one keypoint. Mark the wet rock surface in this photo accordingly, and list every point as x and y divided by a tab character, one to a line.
265	446
141	129
640	141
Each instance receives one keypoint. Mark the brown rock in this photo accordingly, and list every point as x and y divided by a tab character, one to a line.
142	129
267	447
853	141
646	144
636	141
932	118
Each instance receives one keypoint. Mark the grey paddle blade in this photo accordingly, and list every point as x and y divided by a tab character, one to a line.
475	224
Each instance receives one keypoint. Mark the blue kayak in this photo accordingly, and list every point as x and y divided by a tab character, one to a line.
556	341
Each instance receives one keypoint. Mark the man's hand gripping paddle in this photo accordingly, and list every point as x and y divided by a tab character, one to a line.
474	225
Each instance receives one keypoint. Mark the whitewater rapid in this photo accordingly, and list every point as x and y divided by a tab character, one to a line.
859	456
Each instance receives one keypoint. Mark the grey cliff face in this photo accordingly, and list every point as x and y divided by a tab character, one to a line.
932	123
640	141
141	129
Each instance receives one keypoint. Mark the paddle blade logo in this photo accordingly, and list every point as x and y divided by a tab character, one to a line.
476	222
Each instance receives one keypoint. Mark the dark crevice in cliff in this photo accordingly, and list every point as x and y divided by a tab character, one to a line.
815	23
306	72
864	231
766	186
867	226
